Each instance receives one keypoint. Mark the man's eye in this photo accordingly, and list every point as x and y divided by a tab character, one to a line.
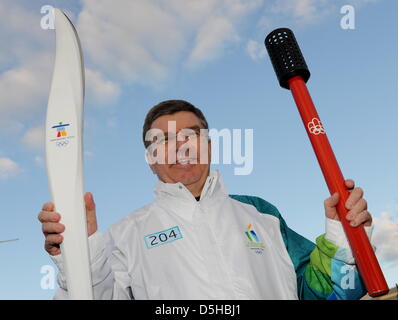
161	141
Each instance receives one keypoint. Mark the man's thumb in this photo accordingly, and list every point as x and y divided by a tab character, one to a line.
90	212
89	201
330	206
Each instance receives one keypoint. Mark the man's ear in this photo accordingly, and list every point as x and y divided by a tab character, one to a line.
209	149
150	161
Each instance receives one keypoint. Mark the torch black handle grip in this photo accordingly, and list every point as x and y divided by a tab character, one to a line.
286	56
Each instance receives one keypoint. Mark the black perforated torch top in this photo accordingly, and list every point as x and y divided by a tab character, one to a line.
286	56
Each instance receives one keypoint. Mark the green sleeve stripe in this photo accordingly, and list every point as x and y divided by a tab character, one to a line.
322	256
317	281
318	274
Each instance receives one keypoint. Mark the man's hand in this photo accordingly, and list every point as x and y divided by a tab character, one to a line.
52	228
357	206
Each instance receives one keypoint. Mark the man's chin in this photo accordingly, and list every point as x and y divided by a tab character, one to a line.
187	174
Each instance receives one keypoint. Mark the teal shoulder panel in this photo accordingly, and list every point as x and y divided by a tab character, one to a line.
298	247
260	204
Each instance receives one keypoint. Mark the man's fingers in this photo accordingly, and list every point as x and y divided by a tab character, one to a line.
53	250
350	184
54	239
330	206
355	195
48	216
49	206
360	218
332	201
52	227
91	213
89	201
359	206
52	244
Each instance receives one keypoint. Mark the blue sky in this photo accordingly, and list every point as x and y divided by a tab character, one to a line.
211	53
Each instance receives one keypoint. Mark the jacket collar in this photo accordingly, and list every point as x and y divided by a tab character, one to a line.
213	188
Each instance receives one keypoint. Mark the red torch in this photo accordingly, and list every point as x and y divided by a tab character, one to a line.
293	73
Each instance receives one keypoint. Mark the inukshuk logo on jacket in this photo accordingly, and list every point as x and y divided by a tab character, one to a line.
254	241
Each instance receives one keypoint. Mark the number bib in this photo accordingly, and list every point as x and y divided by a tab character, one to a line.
162	237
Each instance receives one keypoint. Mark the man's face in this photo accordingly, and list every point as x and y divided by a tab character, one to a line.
187	156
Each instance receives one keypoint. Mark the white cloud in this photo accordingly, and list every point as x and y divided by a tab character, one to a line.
123	42
10	127
385	237
361	2
130	40
256	50
211	39
34	138
20	29
25	62
26	67
142	40
24	89
8	168
303	11
99	90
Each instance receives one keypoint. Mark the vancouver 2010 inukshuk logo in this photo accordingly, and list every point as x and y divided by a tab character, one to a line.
254	242
61	134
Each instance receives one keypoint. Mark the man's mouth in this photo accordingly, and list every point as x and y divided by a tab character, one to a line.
186	160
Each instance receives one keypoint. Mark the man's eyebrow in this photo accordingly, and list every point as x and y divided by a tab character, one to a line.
194	128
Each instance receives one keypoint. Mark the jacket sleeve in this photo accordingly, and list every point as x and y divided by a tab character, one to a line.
108	270
325	270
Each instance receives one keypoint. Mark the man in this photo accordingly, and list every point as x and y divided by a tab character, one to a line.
197	242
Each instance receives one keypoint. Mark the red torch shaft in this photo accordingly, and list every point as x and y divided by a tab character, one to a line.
364	255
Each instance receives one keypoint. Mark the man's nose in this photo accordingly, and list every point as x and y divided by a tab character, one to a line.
181	141
186	145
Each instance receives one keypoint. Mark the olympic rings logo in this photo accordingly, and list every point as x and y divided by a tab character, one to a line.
62	143
315	127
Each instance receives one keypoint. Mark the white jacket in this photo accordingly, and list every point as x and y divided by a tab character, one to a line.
180	248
